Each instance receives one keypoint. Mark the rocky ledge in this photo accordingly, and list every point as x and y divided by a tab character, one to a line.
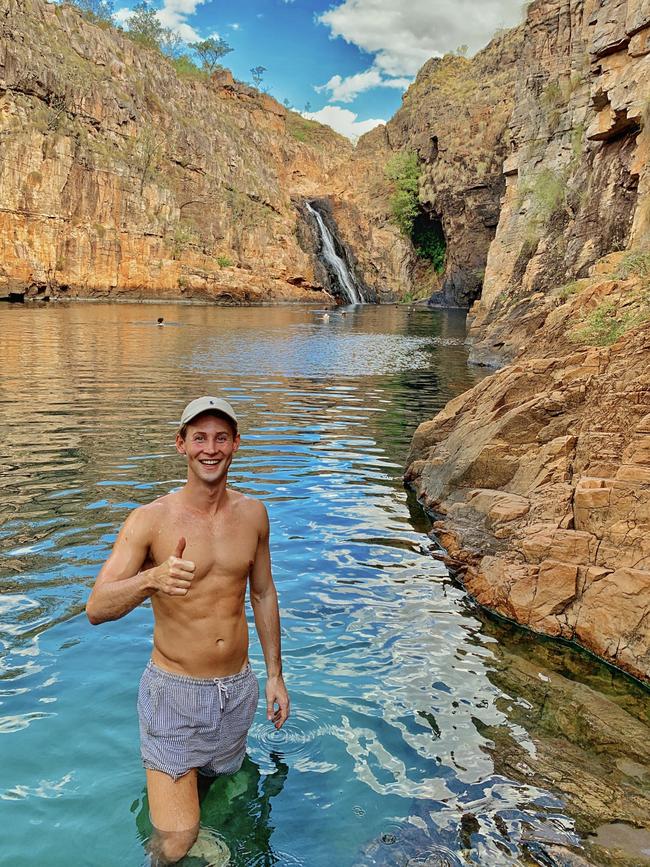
541	473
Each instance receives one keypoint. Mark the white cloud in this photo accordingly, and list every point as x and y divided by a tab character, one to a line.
120	15
347	89
173	15
235	26
403	35
343	120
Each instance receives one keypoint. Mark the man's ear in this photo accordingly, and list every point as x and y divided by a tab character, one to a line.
236	443
180	445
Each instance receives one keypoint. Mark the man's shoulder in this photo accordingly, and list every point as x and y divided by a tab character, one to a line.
249	506
146	515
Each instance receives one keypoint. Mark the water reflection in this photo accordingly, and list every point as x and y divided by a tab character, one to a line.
416	730
237	810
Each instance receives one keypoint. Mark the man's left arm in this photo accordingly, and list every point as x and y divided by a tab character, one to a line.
264	600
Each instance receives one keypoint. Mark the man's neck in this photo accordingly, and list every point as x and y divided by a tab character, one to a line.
205	498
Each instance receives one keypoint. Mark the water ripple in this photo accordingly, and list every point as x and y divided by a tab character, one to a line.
396	712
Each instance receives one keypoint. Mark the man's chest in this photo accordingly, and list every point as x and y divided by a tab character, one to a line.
214	546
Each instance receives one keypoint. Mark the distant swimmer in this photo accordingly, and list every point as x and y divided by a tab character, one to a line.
326	317
161	321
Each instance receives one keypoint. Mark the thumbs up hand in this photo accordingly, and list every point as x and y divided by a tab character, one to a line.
175	575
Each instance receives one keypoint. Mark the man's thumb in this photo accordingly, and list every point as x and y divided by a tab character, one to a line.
180	547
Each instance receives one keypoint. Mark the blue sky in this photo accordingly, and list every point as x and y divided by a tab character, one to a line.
350	60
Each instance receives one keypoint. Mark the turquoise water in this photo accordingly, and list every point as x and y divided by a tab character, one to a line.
387	662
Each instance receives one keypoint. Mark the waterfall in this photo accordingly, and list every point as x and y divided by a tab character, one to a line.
337	265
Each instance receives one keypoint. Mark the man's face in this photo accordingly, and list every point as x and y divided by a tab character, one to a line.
209	446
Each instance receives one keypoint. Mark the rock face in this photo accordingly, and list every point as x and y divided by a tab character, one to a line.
384	260
541	473
455	117
577	179
117	176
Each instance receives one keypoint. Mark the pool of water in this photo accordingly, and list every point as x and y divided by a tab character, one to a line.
398	683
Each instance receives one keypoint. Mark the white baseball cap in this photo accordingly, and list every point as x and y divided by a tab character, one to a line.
207	404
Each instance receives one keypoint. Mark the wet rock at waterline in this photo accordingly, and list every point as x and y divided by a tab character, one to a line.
541	476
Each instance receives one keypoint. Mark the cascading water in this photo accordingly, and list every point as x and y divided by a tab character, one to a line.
334	261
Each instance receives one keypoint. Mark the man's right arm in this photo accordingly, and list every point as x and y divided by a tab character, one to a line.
121	586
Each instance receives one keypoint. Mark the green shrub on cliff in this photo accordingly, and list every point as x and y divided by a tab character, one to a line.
186	68
635	264
210	52
403	169
546	194
604	325
144	26
429	243
97	11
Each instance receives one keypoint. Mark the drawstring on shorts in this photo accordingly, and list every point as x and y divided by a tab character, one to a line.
223	693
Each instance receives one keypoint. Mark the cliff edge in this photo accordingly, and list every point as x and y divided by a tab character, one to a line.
121	176
540	475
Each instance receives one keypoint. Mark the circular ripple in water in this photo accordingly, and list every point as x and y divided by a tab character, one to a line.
298	740
438	857
211	849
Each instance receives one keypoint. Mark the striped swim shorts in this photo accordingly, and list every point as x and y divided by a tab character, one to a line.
195	722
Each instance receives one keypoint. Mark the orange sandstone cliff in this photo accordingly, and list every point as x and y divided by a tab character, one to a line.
540	475
118	177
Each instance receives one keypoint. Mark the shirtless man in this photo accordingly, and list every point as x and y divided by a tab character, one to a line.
192	553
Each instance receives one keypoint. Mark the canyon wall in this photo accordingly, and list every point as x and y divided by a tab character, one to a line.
540	475
120	177
454	117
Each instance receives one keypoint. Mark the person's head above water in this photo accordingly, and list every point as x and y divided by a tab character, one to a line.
215	405
160	320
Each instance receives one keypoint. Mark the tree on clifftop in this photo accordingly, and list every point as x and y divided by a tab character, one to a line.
258	74
211	51
144	25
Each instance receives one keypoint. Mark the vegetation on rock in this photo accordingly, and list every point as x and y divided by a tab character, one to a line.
97	11
404	169
210	52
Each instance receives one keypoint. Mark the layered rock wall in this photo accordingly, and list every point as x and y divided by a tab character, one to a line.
577	178
541	473
118	176
455	118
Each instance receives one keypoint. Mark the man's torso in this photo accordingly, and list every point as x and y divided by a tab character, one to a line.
204	633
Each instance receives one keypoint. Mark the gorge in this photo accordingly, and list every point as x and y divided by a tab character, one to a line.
121	179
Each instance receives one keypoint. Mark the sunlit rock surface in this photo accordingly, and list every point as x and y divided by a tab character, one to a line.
542	472
118	177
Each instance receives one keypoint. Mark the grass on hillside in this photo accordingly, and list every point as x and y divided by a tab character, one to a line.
613	318
307	131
